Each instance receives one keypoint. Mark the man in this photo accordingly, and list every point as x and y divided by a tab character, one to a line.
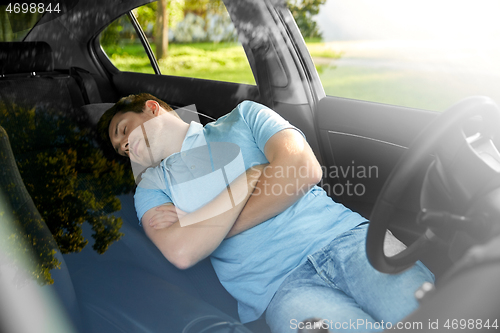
279	244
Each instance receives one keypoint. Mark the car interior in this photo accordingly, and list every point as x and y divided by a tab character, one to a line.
59	80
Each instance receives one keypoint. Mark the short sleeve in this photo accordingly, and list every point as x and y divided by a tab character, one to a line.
149	193
263	122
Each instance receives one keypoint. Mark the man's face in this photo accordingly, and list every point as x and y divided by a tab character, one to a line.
143	136
128	136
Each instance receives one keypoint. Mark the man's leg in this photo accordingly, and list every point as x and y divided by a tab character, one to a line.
386	297
304	295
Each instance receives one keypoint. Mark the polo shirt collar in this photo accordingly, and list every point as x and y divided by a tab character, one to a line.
194	138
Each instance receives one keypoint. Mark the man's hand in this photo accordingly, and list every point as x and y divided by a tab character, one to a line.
165	215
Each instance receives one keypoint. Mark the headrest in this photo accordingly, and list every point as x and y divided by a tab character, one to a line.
25	57
95	111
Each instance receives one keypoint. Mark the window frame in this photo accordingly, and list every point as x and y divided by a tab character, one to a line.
145	42
108	68
99	52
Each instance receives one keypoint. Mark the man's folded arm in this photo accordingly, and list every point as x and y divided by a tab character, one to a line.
292	171
186	245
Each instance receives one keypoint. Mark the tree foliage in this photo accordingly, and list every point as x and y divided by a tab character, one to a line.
68	178
303	12
204	7
172	21
14	26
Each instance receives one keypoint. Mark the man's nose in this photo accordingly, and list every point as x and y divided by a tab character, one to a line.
125	146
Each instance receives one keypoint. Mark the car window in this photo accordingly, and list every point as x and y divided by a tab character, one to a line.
52	174
423	54
123	47
199	41
17	19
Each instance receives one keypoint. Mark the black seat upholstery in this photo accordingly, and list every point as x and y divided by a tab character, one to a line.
25	57
28	79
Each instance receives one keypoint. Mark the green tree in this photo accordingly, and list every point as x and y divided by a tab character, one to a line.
5	28
303	12
114	36
203	7
14	26
161	29
155	19
23	234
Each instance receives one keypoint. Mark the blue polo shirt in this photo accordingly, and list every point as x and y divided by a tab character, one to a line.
253	264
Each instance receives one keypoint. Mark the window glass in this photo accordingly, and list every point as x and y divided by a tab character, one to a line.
16	21
423	54
189	38
124	48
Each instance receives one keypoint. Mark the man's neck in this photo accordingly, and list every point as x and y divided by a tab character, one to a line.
177	134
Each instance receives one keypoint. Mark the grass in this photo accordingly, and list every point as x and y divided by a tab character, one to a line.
222	62
405	88
412	74
319	49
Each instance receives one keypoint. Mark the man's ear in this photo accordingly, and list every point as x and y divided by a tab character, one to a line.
152	107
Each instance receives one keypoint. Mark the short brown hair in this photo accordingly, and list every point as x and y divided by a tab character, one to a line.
131	103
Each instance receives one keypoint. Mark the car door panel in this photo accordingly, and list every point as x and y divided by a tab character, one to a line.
213	98
361	143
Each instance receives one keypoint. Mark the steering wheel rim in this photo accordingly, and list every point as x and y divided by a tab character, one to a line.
445	125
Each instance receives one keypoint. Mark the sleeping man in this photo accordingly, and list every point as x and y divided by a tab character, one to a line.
242	190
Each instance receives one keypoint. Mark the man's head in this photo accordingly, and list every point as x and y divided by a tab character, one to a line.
130	113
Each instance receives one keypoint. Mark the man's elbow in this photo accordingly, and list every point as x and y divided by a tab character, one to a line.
314	172
317	173
176	252
181	258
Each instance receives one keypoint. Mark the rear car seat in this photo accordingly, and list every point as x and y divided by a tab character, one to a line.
28	82
89	288
27	215
28	78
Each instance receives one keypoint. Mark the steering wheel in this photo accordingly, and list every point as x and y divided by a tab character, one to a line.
465	161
